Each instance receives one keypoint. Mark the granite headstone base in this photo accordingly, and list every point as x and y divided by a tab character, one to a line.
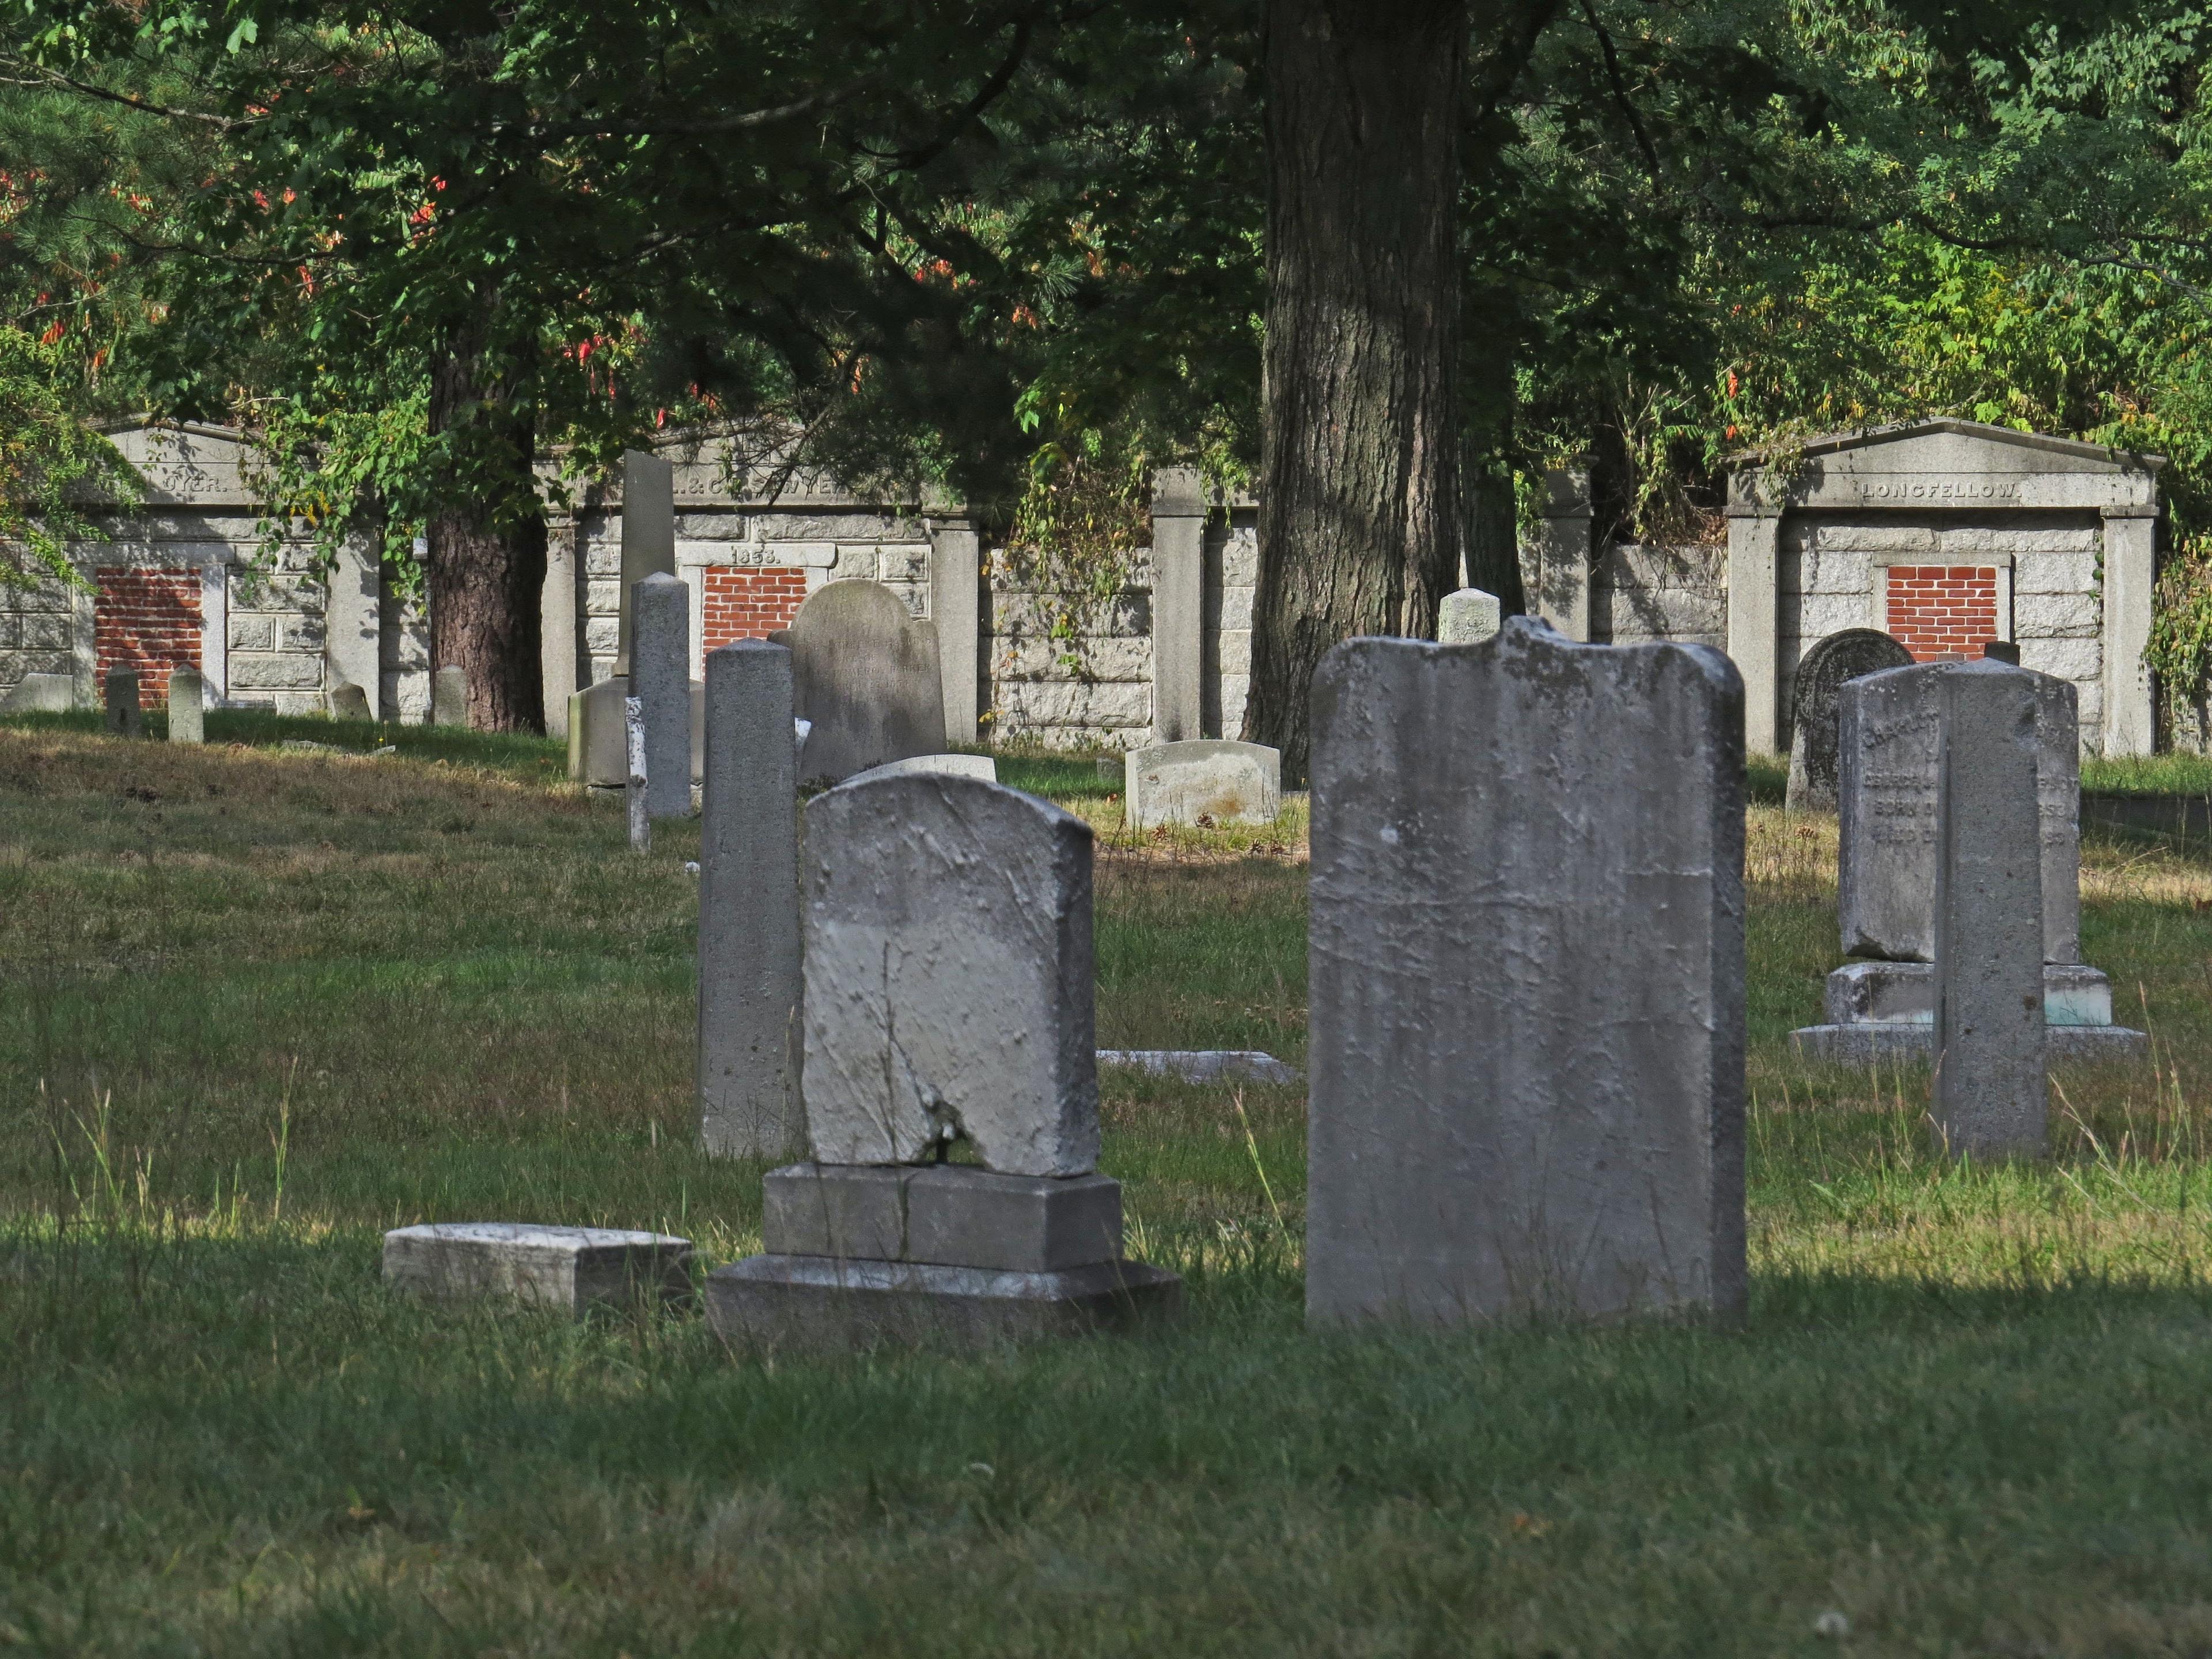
571	1269
1886	1012
862	1255
1897	1042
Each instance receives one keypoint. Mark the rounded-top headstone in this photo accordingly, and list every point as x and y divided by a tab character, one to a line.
1812	753
948	977
865	672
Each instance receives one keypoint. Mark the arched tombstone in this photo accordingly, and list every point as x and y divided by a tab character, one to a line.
865	673
1813	766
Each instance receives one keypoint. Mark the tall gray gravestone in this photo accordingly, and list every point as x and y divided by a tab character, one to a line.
865	674
187	706
1890	726
648	538
1850	655
1527	981
948	997
125	717
749	945
660	679
1990	1089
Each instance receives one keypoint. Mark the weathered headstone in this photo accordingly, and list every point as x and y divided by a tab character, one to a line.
648	538
570	1269
126	718
865	673
187	706
1990	1089
1205	778
449	695
1466	616
948	996
349	701
749	946
1890	724
41	694
1850	655
598	751
2002	651
1526	1056
660	679
947	766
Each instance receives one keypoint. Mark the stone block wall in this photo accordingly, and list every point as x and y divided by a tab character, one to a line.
1647	594
1091	688
37	636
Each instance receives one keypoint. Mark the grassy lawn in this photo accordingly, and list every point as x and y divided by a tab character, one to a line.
257	1005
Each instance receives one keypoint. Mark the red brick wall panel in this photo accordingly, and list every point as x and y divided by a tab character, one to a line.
1942	612
148	621
749	604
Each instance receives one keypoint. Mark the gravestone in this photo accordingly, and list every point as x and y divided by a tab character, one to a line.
126	718
948	996
1209	778
1890	724
187	706
1990	1089
1525	1065
863	672
42	694
648	540
598	751
948	766
570	1269
660	679
449	695
749	945
1848	655
349	701
1889	727
1466	616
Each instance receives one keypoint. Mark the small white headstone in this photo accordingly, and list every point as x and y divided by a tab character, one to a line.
1467	616
1206	778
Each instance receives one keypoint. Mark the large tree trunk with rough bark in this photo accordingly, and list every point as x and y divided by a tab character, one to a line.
487	542
1359	482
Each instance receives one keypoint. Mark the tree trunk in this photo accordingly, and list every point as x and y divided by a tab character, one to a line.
487	561
1359	483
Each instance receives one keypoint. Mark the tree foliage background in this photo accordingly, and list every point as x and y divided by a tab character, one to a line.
1013	249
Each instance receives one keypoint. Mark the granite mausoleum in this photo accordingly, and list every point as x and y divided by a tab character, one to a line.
1942	533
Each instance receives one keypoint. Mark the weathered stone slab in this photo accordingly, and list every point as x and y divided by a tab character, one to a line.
948	766
569	1268
1885	992
1991	1094
648	539
660	679
949	976
349	701
818	1304
598	755
1209	778
125	717
1466	616
187	706
1814	758
1527	992
449	695
949	1214
42	694
1886	868
865	674
1901	1043
748	939
1203	1064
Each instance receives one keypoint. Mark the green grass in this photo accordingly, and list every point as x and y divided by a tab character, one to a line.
2148	774
256	1006
517	753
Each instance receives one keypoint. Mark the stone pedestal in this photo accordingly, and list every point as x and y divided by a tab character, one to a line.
571	1269
857	1255
1886	1012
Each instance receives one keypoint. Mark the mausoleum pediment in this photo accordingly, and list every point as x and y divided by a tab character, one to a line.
185	463
1945	465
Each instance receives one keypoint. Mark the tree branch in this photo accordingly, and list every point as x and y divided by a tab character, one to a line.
752	119
1620	93
56	79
